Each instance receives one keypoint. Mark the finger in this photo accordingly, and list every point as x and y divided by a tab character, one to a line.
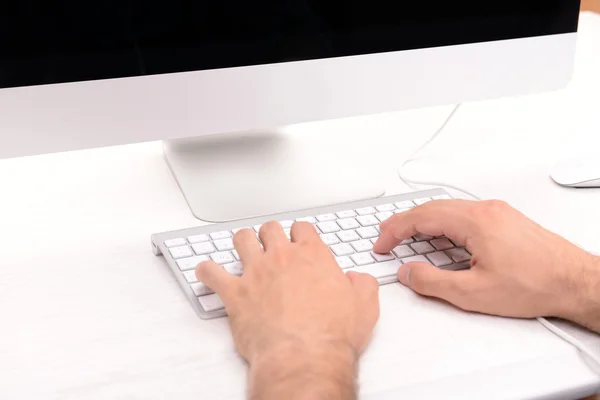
304	232
436	218
219	280
247	245
271	235
430	281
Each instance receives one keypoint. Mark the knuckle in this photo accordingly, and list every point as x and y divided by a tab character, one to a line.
497	205
488	209
281	256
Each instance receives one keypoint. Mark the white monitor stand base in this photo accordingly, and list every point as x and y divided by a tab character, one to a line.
227	177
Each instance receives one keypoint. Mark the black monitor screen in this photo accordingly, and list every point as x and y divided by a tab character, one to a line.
45	42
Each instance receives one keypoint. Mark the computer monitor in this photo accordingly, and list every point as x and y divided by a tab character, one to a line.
208	77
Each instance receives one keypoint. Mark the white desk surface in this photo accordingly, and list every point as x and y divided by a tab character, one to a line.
87	311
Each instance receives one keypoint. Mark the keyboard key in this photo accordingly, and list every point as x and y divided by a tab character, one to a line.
415	259
458	255
344	262
223	245
175	242
180	252
346	214
382	216
190	276
456	267
366	211
234	268
422	201
220	235
191	262
439	259
457	243
367	220
382	257
403	251
312	220
257	228
362	259
362	246
236	255
380	270
222	258
342	249
442	197
374	240
203	248
288	233
368	232
377	228
422	247
234	231
348	223
420	237
326	217
211	302
330	239
408	241
401	210
200	289
404	204
287	224
442	244
348	236
385	207
328	227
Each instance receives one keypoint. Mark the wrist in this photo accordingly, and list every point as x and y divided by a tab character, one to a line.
585	291
324	370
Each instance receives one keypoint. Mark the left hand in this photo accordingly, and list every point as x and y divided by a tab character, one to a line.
293	295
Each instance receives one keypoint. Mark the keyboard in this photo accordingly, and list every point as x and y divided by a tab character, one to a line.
348	229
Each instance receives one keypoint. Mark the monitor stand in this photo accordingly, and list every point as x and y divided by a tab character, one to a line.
240	175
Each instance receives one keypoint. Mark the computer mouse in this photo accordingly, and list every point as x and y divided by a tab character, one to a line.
581	172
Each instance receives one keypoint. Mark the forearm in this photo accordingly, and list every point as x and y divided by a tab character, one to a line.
586	309
299	372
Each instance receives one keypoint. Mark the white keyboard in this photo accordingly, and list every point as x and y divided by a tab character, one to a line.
348	229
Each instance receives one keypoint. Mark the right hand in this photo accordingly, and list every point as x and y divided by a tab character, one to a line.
518	269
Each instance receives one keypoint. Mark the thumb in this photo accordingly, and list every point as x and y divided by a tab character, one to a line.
367	289
428	280
216	278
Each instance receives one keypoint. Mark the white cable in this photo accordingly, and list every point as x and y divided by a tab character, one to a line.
586	353
583	349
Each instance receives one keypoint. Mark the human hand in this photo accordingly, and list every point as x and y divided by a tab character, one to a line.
294	307
518	269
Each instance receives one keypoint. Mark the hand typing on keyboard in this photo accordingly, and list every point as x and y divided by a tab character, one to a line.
298	320
303	304
518	269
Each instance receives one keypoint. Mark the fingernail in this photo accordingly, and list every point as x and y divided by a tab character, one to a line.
404	275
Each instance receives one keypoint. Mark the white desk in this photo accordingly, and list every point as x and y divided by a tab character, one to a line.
88	312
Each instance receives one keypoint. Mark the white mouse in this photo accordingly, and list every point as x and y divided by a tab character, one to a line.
581	172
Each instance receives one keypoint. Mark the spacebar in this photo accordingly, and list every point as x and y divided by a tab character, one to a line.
379	270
